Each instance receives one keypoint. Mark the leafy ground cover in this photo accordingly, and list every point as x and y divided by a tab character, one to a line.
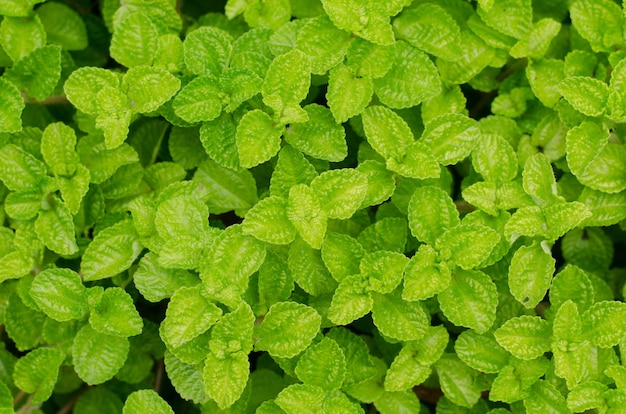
312	206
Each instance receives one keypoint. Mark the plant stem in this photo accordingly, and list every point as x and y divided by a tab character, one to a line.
158	378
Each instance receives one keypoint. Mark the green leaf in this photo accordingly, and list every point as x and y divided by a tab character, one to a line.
225	378
306	215
258	138
111	252
146	401
514	380
156	282
530	274
115	314
322	365
526	337
606	209
396	402
11	106
19	36
383	269
412	79
604	323
369	60
60	294
188	315
181	213
425	275
511	17
587	396
58	144
451	137
207	51
23	325
308	270
324	43
594	159
291	169
275	281
470	300
270	13
585	94
468	245
431	213
341	255
350	301
568	352
63	25
97	400
114	116
83	85
17	7
397	318
148	88
320	137
287	329
287	81
347	94
476	56
571	283
98	357
340	192
430	28
268	221
55	228
544	397
199	100
238	86
495	159
457	381
539	182
20	171
37	74
387	132
380	182
37	372
227	189
537	42
367	20
233	333
14	265
360	364
186	149
561	218
135	40
481	352
300	398
186	379
598	22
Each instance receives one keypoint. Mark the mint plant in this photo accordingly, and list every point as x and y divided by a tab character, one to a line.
312	206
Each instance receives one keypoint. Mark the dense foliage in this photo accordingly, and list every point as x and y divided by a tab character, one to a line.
312	206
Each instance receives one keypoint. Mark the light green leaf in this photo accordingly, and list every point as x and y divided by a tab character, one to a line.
19	36
587	396
18	7
60	294
83	85
604	323
14	265
544	397
37	372
188	315
539	181
383	269
148	88
207	51
606	209
322	365
308	270
156	282
481	352
495	159
594	159
320	137
347	94
429	27
568	351
37	74
275	281
368	20
225	378
360	364
340	192
544	76
324	43
258	138
514	380
146	401
526	337
199	100
458	381
111	252
11	106
470	300
233	333
561	218
21	171
23	324
350	300
451	137
468	245
425	275
287	329
431	213
585	94
530	274
98	357
291	169
306	215
135	40
398	319
287	81
300	399
55	228
380	182
571	283
63	25
589	248
227	189
387	132
115	314
476	56
186	149
268	221
269	13
186	378
237	86
181	212
342	255
170	53
114	116
369	60
598	22
537	41
412	79
58	144
511	17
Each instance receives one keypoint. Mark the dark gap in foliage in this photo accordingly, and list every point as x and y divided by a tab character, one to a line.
478	103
